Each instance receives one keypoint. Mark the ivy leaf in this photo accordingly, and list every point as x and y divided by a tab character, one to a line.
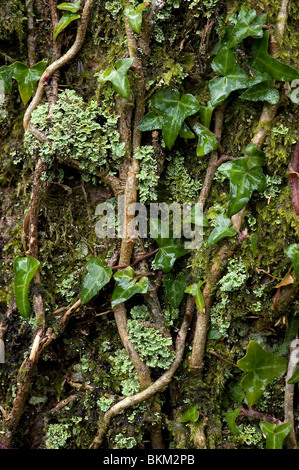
222	229
205	114
194	289
97	277
192	414
246	176
27	78
6	76
262	368
171	248
247	24
185	132
233	76
275	434
152	121
175	287
265	63
173	110
262	92
64	21
207	141
24	269
118	76
134	16
292	253
73	7
127	286
231	417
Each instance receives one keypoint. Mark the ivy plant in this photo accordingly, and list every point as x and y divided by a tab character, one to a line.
117	75
171	247
27	78
97	277
175	287
168	112
70	14
246	176
275	434
191	415
223	229
24	269
134	16
127	285
261	367
195	290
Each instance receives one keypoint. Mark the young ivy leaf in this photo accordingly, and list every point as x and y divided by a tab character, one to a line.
295	377
171	248
118	76
24	269
134	16
97	277
275	434
223	229
267	64
64	21
73	7
261	367
27	78
194	289
172	110
292	253
207	141
246	176
192	415
175	287
262	92
247	24
127	286
205	114
6	76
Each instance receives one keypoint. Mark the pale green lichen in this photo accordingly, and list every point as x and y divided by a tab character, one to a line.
148	176
180	186
123	442
78	133
235	277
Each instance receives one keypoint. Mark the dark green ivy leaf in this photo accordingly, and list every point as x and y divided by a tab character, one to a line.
64	21
246	176
275	434
295	377
118	76
262	92
127	286
195	290
171	248
267	64
175	287
173	110
6	76
97	277
205	114
233	76
134	16
222	229
27	78
292	253
207	141
24	269
262	368
248	24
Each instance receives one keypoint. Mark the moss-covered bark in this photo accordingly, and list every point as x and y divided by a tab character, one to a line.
85	369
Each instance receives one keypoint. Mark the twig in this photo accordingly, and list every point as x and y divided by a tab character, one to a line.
30	38
250	413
